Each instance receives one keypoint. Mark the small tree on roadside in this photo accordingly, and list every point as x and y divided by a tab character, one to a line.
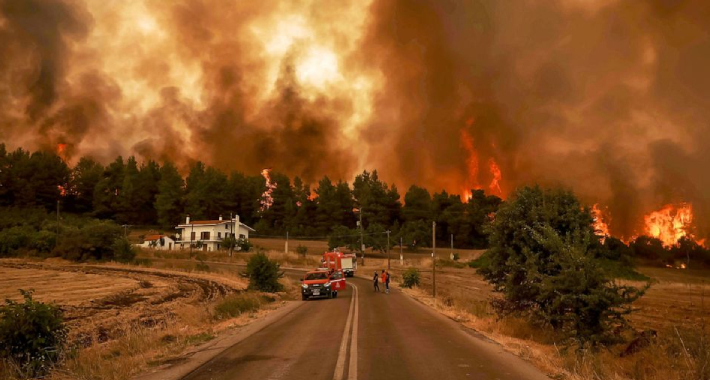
32	335
263	273
411	278
302	250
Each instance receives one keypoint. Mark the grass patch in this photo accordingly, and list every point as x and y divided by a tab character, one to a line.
236	304
482	261
193	340
448	263
617	270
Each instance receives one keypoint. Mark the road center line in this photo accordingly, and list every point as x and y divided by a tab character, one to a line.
340	364
352	370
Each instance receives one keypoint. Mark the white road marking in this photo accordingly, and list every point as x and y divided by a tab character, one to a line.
340	364
352	371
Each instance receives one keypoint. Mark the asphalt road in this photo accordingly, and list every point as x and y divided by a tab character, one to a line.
365	335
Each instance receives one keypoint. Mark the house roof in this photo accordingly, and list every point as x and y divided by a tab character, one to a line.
153	237
212	222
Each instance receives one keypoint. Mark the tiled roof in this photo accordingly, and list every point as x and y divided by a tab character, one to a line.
153	237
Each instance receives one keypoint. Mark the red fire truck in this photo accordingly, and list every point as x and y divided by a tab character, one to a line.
345	261
327	280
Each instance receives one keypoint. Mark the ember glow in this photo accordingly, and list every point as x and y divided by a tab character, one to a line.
601	228
670	223
266	199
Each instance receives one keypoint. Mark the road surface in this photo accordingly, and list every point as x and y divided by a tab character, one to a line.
364	335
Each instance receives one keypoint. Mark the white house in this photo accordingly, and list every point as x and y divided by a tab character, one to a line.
159	242
208	234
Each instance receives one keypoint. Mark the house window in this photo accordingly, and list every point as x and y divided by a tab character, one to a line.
219	235
226	226
242	236
205	235
192	236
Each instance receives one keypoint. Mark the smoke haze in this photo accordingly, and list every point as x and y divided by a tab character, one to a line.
608	98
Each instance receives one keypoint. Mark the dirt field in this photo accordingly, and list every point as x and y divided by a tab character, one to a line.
101	302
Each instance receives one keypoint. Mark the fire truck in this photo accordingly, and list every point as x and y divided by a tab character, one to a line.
345	261
325	281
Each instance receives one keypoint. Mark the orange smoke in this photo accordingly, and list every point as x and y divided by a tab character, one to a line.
601	228
670	223
266	199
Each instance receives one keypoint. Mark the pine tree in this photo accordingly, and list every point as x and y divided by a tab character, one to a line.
169	201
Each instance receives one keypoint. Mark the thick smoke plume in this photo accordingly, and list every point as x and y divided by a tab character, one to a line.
610	98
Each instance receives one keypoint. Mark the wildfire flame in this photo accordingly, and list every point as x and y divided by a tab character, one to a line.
670	223
601	228
266	199
495	182
471	162
62	190
61	148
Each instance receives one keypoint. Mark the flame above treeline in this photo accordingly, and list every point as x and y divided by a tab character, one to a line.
608	98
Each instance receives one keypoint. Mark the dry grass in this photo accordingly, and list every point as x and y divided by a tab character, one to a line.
124	319
674	307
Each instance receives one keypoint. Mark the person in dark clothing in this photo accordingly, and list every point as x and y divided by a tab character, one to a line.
387	282
375	282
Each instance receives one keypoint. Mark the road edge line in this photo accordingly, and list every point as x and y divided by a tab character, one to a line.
352	368
340	364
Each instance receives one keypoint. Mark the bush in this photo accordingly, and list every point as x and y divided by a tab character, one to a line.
410	278
481	262
32	335
263	273
243	245
96	240
123	251
15	238
301	250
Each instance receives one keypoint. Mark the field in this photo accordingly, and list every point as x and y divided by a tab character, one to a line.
124	319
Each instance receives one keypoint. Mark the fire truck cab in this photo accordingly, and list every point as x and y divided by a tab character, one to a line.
322	283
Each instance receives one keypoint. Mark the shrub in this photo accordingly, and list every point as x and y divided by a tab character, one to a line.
481	262
15	238
123	251
95	240
411	278
456	256
44	241
263	273
301	250
243	245
32	335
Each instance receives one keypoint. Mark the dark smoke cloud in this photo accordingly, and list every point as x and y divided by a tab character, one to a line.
609	98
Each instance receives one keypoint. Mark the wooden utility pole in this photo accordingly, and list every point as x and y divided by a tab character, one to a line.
362	241
388	250
401	256
286	248
433	257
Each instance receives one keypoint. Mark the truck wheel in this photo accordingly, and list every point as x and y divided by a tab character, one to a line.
336	294
304	298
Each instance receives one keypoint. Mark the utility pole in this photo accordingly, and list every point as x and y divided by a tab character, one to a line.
232	240
433	256
452	246
388	250
362	242
286	247
56	239
192	231
401	256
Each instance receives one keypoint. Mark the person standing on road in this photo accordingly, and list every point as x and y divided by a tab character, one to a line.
383	277
374	281
387	282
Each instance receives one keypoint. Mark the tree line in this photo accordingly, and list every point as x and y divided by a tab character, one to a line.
150	193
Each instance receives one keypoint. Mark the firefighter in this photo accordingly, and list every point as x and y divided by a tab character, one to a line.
375	283
384	279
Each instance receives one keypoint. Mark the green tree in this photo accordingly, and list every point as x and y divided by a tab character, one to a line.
417	205
85	176
169	200
541	260
415	234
